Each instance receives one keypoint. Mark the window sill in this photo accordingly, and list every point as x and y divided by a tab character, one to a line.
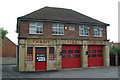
58	34
36	34
83	35
97	36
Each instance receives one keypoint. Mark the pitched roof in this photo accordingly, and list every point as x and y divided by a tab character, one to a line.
62	15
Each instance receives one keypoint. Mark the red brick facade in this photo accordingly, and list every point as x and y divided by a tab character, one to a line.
68	34
8	48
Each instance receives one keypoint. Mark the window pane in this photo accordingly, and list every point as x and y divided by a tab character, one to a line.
77	51
99	51
29	56
70	51
57	28
32	24
40	49
51	50
84	30
70	55
39	24
36	27
29	50
93	51
93	55
63	51
99	55
97	31
64	55
32	29
51	53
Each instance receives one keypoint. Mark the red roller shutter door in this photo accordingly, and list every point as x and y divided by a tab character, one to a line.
70	56
95	56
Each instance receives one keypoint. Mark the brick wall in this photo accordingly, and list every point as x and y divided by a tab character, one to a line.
8	48
68	34
23	29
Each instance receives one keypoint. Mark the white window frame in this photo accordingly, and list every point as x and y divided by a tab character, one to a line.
97	31
58	28
84	30
34	27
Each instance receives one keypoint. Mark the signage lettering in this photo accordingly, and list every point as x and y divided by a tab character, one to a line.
41	41
96	42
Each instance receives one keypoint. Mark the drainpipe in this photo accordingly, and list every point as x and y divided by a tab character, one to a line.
17	56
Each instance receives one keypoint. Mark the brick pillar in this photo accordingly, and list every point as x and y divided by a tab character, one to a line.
21	57
58	56
106	56
84	56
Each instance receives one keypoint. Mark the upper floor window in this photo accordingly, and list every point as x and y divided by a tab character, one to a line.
97	31
84	30
35	28
57	29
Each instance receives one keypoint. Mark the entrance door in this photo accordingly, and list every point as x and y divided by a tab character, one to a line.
70	56
40	58
95	57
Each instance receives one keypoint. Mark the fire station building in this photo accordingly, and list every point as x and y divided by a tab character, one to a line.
58	38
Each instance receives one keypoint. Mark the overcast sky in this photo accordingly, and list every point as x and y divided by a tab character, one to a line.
102	10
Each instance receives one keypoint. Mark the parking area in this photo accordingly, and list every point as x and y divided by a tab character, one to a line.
9	71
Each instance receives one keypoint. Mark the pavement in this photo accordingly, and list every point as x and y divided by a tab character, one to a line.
10	71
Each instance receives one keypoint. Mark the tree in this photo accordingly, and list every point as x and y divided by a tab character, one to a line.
3	32
113	50
118	51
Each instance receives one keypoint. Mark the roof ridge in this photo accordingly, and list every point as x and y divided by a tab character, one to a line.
52	13
57	7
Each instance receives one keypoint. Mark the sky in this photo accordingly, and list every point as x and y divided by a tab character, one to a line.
102	10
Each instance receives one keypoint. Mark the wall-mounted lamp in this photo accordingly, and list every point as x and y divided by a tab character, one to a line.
60	53
87	52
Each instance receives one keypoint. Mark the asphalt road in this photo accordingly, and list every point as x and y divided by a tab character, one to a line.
9	71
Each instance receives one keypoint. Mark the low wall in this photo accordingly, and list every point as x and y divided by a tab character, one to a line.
8	60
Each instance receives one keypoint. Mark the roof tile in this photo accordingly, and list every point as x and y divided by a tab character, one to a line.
61	14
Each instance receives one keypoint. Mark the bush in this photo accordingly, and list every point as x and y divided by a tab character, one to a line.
114	50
